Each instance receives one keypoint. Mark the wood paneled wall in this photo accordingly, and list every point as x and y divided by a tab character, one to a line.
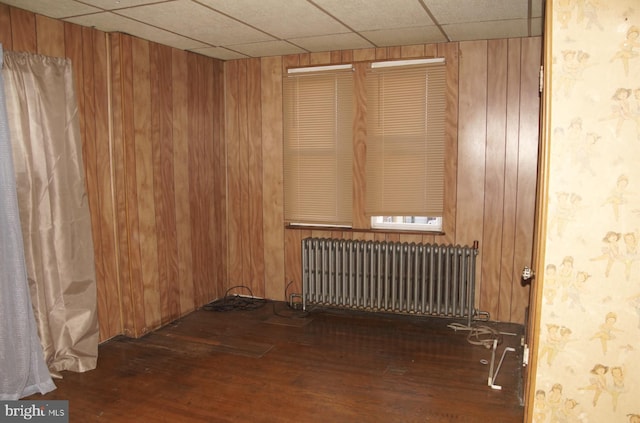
169	174
183	160
151	119
492	141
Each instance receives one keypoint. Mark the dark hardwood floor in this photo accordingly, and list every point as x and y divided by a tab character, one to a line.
275	364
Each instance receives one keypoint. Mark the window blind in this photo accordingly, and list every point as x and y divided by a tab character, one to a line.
405	140
318	147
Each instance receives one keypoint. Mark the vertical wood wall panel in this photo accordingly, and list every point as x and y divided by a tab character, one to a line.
509	274
319	58
218	168
92	181
494	171
162	189
5	28
293	259
196	161
245	166
132	288
471	147
181	179
472	124
118	164
232	126
145	186
73	50
200	113
210	176
103	148
366	54
450	52
272	182
241	212
255	236
162	120
196	168
23	31
50	36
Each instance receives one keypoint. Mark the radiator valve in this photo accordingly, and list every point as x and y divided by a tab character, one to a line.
295	301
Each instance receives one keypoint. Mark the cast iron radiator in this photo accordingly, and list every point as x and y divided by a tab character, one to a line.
422	279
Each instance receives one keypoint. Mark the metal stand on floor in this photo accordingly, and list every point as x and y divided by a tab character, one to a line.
493	375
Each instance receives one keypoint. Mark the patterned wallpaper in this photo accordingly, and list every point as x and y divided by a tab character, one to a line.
589	356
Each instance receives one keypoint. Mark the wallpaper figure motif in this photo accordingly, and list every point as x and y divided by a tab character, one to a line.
610	251
598	382
617	385
620	108
576	289
591	8
557	339
630	255
627	51
606	330
618	196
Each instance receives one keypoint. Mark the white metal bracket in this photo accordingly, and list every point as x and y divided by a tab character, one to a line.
493	375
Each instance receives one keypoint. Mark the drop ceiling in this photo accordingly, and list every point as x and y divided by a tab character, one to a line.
234	29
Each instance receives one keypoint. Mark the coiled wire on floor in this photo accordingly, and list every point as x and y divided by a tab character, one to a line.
479	335
236	302
249	303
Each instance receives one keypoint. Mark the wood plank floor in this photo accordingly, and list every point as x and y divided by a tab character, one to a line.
275	364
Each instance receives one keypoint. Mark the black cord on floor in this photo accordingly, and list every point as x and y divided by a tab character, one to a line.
236	302
249	303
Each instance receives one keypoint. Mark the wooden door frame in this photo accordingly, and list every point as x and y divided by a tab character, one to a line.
540	224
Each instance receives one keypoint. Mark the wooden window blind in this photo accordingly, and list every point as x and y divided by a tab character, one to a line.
405	140
318	147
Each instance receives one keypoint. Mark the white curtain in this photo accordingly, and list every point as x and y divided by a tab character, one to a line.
22	367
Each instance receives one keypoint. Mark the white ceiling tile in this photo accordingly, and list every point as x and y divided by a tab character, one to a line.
218	53
110	22
362	15
405	36
278	18
53	8
117	4
268	48
487	30
195	21
458	11
345	41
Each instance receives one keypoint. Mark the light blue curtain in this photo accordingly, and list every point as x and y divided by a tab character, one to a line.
23	370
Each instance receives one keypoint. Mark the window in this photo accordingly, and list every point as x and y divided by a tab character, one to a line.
417	223
318	145
404	110
405	140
